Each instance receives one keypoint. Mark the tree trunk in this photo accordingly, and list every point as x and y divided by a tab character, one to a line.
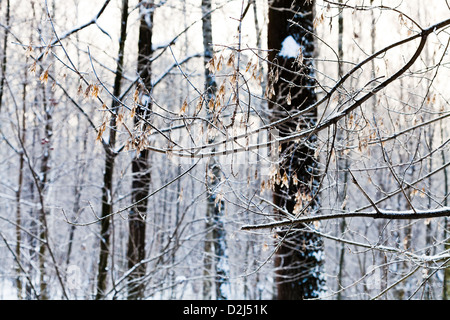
45	168
342	167
215	249
298	259
140	166
110	155
4	58
446	280
22	134
77	190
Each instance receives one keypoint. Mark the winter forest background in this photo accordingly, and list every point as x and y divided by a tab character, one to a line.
224	149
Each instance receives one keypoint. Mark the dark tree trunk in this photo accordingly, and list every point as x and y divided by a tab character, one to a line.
110	156
140	165
291	88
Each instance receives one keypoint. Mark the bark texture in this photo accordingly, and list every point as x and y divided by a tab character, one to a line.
290	88
140	165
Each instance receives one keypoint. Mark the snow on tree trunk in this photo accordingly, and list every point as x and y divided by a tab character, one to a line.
291	88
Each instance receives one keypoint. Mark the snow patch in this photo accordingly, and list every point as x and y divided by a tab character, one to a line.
289	48
145	100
